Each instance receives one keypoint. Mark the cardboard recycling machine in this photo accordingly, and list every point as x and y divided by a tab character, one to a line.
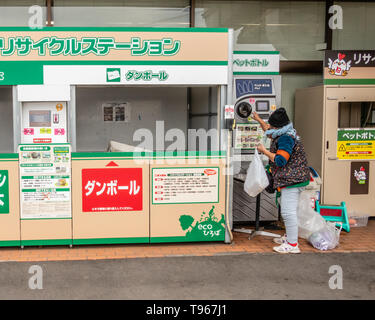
58	197
58	187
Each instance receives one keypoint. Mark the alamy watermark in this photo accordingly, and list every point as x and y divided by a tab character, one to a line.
36	280
336	280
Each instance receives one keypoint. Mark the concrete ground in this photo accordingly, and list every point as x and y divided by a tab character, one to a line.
223	276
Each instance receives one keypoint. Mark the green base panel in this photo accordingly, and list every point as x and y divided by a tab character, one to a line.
111	240
47	242
10	243
183	239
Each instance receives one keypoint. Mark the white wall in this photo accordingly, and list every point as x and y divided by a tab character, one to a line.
147	106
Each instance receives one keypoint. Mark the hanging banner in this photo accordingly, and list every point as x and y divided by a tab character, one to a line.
45	181
356	144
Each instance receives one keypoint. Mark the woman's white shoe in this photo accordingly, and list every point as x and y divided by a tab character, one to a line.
280	240
287	248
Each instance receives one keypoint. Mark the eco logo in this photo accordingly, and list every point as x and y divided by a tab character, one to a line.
208	228
4	191
339	67
113	74
360	175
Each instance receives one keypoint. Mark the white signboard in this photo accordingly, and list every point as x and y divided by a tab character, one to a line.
45	181
256	62
136	74
185	185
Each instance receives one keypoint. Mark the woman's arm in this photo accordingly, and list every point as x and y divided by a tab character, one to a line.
269	154
255	116
284	150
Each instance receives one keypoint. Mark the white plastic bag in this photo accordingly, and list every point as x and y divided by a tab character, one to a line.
309	221
326	238
256	178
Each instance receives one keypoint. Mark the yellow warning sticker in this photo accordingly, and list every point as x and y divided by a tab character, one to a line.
356	150
356	144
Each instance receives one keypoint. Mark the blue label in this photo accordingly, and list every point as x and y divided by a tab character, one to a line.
253	86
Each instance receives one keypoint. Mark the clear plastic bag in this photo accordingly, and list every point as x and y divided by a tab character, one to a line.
327	238
309	221
256	177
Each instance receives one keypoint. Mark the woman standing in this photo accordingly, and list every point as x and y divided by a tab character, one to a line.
290	172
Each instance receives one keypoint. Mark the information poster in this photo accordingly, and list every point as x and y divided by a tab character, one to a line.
248	136
185	185
356	144
45	174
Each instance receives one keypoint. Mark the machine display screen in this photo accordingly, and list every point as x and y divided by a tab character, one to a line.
262	106
40	118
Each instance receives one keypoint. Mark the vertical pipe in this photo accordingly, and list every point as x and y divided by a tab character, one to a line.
72	125
189	118
49	4
229	100
189	90
230	67
192	13
16	120
209	126
328	34
257	212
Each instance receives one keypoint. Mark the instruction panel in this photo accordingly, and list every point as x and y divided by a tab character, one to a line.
248	136
185	185
356	144
45	181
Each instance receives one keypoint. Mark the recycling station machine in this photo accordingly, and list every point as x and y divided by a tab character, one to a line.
102	138
98	145
337	123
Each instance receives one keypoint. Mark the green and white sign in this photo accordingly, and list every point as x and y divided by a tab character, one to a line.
4	191
256	62
45	181
61	55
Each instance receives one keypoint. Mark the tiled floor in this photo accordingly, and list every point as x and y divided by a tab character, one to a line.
358	240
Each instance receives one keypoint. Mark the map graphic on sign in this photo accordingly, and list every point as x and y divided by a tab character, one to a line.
112	189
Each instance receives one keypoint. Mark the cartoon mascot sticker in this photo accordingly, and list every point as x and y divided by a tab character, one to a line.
360	175
339	67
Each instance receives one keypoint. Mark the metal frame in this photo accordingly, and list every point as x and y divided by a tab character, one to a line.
16	119
71	115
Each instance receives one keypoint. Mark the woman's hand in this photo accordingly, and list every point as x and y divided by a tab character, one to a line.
255	116
261	148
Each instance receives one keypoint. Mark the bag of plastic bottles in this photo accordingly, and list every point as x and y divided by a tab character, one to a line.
326	238
309	221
